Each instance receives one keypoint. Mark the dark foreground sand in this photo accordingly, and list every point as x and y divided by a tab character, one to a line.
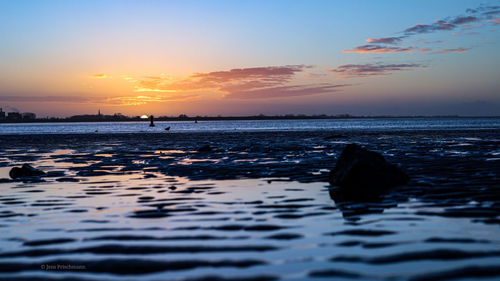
443	165
257	207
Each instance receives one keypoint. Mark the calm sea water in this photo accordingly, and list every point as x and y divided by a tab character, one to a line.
254	125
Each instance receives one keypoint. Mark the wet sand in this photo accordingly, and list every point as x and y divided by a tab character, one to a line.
256	207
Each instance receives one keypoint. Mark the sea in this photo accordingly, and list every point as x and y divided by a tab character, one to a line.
350	124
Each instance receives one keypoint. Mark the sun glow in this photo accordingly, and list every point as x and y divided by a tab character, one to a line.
144	116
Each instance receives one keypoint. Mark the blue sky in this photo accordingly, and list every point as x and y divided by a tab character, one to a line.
289	57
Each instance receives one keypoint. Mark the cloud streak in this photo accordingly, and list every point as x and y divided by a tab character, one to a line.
495	21
427	28
456	50
286	91
116	100
241	83
386	40
367	70
145	99
238	79
380	45
375	49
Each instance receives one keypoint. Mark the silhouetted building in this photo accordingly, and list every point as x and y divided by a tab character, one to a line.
14	116
29	116
2	114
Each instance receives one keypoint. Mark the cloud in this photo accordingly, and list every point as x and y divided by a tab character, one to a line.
464	19
98	76
424	50
467	33
144	99
479	14
427	28
110	101
279	73
386	40
52	98
286	91
431	42
314	75
240	83
456	50
485	11
495	21
366	49
238	79
366	70
491	13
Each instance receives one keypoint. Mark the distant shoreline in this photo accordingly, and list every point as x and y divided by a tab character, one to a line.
121	118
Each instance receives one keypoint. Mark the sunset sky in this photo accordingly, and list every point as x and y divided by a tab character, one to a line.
61	58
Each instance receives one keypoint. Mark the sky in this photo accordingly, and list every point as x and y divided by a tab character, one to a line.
235	58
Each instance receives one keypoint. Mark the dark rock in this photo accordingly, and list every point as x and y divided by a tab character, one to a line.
25	171
55	174
205	148
16	172
360	170
67	179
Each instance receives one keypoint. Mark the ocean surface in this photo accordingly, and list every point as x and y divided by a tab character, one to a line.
378	124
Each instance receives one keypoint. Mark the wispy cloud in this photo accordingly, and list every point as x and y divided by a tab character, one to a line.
366	49
427	28
224	81
243	83
109	101
495	21
477	15
286	91
466	33
386	40
431	42
98	76
456	50
145	99
485	10
464	19
369	69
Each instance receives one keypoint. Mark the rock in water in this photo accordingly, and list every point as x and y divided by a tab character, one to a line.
205	148
361	170
16	172
25	171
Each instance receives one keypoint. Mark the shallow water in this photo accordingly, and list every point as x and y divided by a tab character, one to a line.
141	223
379	124
234	228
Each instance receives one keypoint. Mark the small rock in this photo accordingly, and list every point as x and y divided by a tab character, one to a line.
67	179
360	170
55	174
205	148
25	171
16	172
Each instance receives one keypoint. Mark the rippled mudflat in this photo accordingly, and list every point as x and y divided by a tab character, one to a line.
256	207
